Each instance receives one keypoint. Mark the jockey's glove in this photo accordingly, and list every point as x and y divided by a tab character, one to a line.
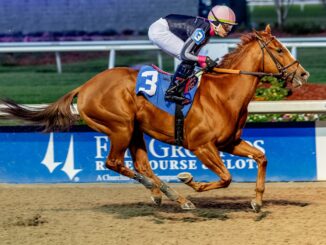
210	64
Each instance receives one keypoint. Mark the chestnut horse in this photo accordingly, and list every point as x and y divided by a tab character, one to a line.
108	104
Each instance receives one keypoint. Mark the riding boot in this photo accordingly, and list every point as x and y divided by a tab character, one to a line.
175	91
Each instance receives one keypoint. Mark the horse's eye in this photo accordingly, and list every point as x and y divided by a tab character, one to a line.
279	50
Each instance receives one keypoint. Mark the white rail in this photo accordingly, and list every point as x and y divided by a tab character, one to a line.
114	46
255	107
302	3
272	2
298	106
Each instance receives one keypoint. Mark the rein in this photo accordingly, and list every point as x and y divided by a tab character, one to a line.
252	73
282	70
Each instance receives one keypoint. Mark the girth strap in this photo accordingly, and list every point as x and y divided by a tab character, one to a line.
179	121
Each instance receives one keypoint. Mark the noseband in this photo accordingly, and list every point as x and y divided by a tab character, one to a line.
283	70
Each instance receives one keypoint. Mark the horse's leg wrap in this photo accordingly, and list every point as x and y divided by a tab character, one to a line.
174	196
170	193
144	180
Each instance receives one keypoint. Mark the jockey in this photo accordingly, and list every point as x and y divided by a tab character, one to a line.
183	36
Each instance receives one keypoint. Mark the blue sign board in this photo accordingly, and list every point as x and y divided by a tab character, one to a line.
27	156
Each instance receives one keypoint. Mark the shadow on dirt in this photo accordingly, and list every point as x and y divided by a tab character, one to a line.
163	213
239	203
207	209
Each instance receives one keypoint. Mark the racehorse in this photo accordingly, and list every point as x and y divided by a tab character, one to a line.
108	103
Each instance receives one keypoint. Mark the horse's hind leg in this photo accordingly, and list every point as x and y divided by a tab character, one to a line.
209	156
120	136
121	133
139	154
115	160
242	148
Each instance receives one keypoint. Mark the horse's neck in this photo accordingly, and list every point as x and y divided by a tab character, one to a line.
238	89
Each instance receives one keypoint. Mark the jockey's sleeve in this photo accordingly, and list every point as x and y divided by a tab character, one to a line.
186	52
193	45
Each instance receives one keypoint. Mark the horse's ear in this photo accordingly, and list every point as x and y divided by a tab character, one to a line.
268	29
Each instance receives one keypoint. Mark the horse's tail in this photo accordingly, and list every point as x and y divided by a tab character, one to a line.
54	117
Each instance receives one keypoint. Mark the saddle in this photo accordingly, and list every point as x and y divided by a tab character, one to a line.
152	83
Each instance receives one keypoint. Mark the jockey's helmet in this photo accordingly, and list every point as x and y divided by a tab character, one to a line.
223	15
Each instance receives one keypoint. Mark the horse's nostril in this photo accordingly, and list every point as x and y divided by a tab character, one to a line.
305	75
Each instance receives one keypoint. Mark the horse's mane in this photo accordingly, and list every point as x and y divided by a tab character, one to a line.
230	58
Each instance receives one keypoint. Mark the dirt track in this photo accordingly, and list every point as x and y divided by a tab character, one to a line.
294	213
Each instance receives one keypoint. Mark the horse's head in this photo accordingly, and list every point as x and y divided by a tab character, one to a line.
276	58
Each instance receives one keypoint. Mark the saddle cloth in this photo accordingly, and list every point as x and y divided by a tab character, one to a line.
152	84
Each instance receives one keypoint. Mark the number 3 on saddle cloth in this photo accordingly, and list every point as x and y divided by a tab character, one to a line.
152	83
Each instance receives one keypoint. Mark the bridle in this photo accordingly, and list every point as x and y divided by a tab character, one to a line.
283	70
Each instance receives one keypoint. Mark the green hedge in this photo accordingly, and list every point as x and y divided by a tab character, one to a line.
272	89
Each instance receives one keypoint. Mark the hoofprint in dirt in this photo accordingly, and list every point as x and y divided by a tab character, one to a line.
294	213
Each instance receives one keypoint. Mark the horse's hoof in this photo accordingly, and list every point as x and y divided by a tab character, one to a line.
156	200
255	206
188	206
185	177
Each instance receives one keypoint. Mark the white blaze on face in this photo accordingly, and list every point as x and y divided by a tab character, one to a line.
298	80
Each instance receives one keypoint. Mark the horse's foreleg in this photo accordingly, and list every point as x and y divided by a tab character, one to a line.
209	156
140	158
246	150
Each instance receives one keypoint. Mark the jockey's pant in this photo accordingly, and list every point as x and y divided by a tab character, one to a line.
161	36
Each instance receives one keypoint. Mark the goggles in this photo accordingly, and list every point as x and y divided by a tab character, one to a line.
216	22
226	27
